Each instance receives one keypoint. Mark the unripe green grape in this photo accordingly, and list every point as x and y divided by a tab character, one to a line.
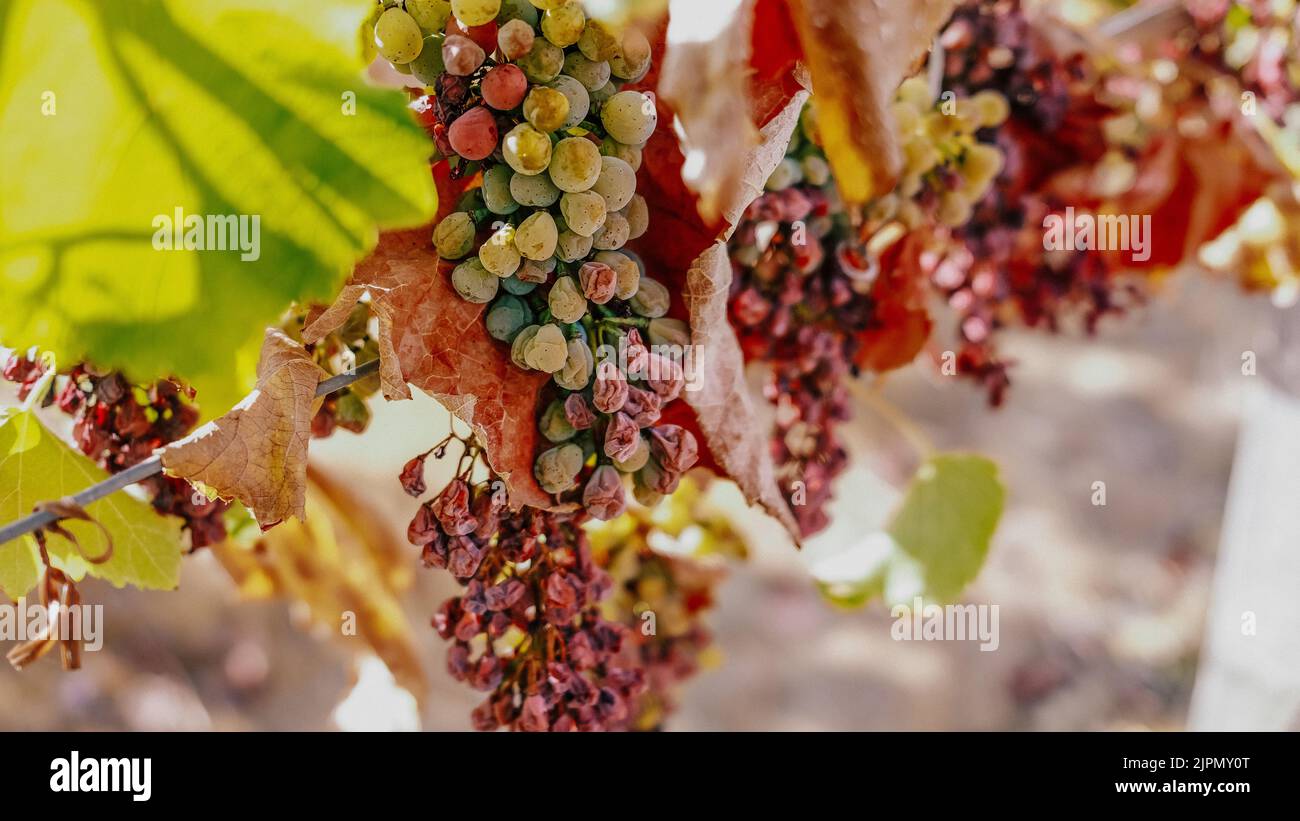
547	350
428	65
626	270
537	191
537	236
638	460
543	61
508	316
669	332
600	95
633	57
637	214
616	183
576	94
496	190
613	234
518	10
366	34
629	117
518	287
556	470
474	282
431	15
563	25
527	150
816	170
398	36
591	74
572	247
475	12
546	108
576	373
583	212
629	154
454	236
651	298
499	254
599	41
554	424
788	172
575	163
566	301
519	347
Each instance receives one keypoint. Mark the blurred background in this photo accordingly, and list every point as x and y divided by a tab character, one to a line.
1103	610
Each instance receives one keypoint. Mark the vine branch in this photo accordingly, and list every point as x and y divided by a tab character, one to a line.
153	465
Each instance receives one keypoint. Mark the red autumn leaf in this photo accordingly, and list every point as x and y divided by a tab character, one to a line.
904	323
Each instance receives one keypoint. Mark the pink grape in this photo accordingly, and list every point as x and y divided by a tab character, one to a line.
462	55
474	134
504	87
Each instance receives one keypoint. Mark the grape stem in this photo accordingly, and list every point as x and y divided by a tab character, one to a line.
153	466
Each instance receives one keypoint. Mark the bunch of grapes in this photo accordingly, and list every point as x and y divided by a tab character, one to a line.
998	273
1259	42
353	344
804	277
528	629
119	425
527	94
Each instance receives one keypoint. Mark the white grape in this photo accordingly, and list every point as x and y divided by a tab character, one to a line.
499	254
572	247
613	234
537	191
537	236
576	94
637	214
496	190
575	164
590	73
616	183
629	117
584	212
398	36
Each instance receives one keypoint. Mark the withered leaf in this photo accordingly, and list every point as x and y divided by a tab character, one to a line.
257	453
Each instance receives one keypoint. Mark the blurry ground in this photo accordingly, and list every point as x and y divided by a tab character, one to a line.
1102	608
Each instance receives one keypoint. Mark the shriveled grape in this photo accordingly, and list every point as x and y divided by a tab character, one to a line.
499	254
547	350
584	212
537	236
566	301
474	282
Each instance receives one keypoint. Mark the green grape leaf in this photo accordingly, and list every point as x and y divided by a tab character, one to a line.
37	466
947	519
115	118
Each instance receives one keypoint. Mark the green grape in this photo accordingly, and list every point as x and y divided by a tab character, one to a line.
651	298
629	117
537	191
527	150
366	34
496	190
600	95
816	170
575	164
629	154
471	200
554	424
576	373
556	470
638	460
599	41
616	183
520	345
545	108
672	333
518	10
907	118
474	283
499	254
788	172
543	61
509	315
398	36
916	92
981	165
566	301
563	25
547	350
637	214
475	12
613	234
626	270
584	212
428	65
576	94
572	247
536	236
547	5
454	236
592	75
431	15
642	486
517	286
633	57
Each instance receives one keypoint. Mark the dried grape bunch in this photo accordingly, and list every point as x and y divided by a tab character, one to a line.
529	96
118	425
528	629
806	284
998	274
